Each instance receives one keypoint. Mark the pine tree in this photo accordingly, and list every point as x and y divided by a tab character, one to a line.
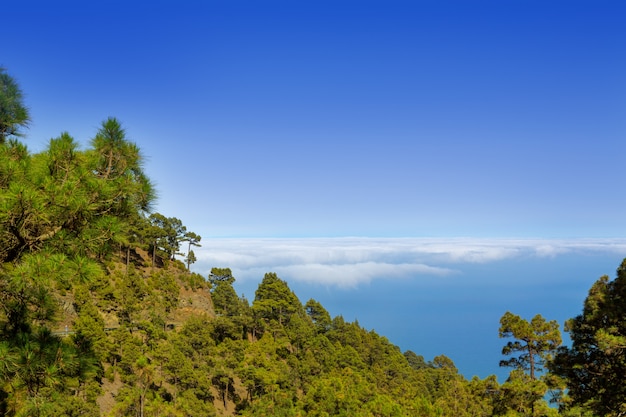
534	342
14	115
595	364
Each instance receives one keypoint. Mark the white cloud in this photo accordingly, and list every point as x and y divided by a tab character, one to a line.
350	275
348	262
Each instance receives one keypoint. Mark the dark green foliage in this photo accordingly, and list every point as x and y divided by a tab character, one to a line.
190	259
523	395
319	316
218	275
13	113
42	367
595	365
534	342
225	299
70	201
415	361
274	301
168	233
194	281
62	212
165	235
192	239
169	290
89	325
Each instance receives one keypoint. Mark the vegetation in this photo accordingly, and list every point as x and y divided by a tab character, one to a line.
535	340
99	317
13	113
595	365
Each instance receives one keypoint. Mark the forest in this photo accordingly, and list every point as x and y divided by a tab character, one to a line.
101	315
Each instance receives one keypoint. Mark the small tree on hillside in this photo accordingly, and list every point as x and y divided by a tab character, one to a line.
191	258
193	240
170	233
534	342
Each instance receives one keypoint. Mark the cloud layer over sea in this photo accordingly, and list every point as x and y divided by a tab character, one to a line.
349	262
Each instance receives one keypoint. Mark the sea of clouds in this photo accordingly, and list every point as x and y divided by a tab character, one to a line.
350	261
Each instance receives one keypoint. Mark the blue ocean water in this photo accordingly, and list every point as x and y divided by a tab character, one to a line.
458	315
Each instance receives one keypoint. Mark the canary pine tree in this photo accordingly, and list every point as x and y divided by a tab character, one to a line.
595	364
14	115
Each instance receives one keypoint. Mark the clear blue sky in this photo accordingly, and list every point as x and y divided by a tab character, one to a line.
301	119
333	118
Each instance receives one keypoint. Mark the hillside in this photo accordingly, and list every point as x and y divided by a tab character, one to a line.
276	357
193	299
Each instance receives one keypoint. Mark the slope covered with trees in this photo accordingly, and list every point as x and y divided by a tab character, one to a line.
99	317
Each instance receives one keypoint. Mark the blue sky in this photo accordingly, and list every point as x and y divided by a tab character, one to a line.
368	119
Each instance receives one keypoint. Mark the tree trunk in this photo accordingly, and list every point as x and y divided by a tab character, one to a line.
531	360
127	258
